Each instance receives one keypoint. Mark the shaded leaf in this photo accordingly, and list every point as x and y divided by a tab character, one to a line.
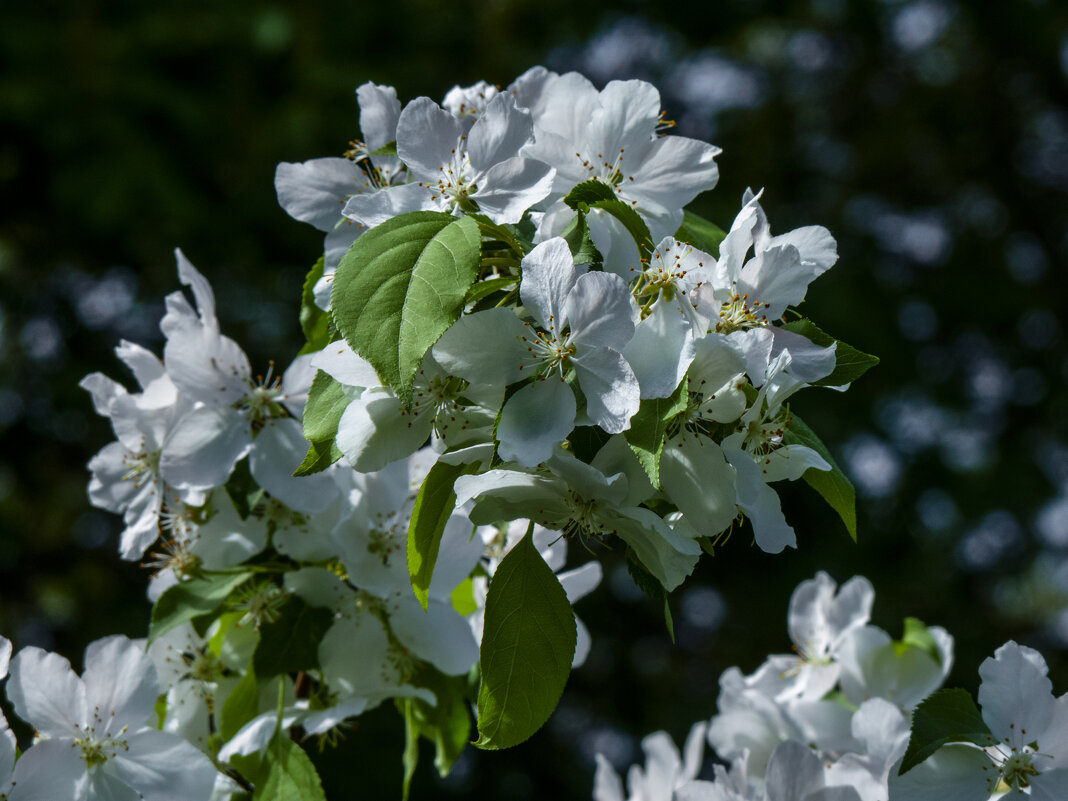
832	485
945	716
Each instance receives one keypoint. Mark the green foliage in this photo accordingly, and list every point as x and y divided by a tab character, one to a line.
595	194
243	490
290	774
400	286
946	716
649	425
314	322
241	706
446	724
291	642
527	646
192	598
700	233
326	403
849	363
483	289
579	241
433	506
832	485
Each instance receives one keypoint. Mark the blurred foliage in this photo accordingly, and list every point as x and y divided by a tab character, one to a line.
930	136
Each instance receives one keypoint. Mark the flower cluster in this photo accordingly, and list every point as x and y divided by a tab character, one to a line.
832	721
516	337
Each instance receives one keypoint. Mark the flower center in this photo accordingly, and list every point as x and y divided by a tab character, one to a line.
98	750
765	436
1015	768
261	401
550	351
739	313
609	173
142	467
455	184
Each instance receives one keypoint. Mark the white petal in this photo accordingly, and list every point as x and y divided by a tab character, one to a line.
487	347
698	479
607	785
121	684
5	656
203	448
374	208
315	191
511	187
163	767
46	693
790	462
661	350
667	555
379	112
1016	693
814	243
794	771
808	361
499	133
675	170
438	635
548	275
426	137
345	366
598	309
627	115
534	420
581	581
760	504
276	453
49	771
376	430
953	773
458	554
611	389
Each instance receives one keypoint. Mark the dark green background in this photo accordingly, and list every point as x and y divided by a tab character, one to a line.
931	137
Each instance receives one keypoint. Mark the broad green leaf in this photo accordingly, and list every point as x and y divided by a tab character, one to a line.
400	286
527	646
240	706
447	724
483	289
326	403
700	233
433	506
946	716
849	363
587	441
291	642
462	597
599	195
832	485
320	456
291	775
243	490
314	322
192	598
579	241
916	634
648	427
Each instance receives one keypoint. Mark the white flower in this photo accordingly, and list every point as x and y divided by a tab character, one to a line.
873	666
584	322
95	738
611	136
665	771
455	170
1030	733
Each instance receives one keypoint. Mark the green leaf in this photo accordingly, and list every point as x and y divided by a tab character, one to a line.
832	485
700	233
243	490
400	286
579	241
326	403
946	716
462	597
649	425
849	363
291	642
291	775
527	646
651	586
917	635
433	506
446	724
314	322
192	598
483	289
320	456
241	706
599	195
